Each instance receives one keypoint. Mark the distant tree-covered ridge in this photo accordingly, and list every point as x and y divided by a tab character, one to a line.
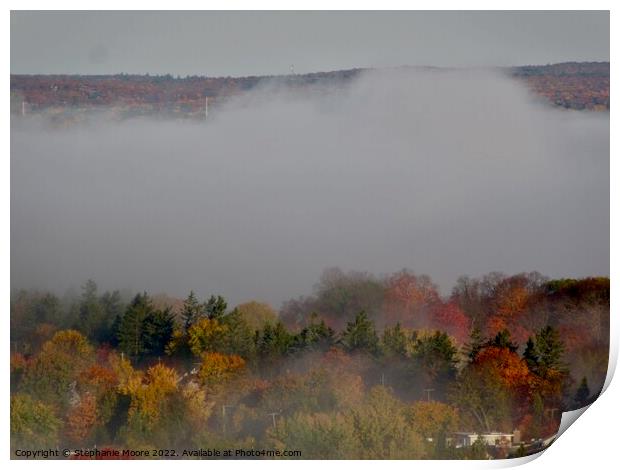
573	85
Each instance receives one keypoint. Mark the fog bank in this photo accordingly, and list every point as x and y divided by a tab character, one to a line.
444	173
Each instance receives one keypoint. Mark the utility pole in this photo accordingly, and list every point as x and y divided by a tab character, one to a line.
206	107
273	417
428	393
382	379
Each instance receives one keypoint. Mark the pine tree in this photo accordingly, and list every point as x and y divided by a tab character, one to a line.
157	331
475	344
394	342
113	309
192	310
435	357
530	355
274	341
315	336
583	394
360	335
239	335
91	313
550	349
215	307
131	329
502	340
478	450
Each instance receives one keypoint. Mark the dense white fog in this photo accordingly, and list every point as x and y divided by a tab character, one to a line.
443	173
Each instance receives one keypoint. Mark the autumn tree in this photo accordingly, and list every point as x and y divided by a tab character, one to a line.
81	420
381	427
435	421
408	299
152	401
492	389
33	424
338	297
51	376
450	318
207	335
316	435
256	314
217	368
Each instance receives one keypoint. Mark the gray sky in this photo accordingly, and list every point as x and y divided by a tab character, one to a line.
256	43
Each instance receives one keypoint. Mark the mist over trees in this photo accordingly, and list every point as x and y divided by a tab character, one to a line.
368	366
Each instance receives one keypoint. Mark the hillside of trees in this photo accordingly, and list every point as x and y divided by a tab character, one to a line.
569	85
365	367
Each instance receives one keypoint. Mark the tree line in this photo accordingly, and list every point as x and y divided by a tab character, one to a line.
325	377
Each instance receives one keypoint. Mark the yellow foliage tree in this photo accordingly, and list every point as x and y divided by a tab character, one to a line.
207	335
432	419
216	368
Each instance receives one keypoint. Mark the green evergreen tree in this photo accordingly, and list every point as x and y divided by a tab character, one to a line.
192	311
131	329
47	310
435	357
112	309
92	318
478	450
394	342
215	307
157	327
582	397
503	340
550	350
115	329
239	335
315	336
360	335
274	341
475	344
530	355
